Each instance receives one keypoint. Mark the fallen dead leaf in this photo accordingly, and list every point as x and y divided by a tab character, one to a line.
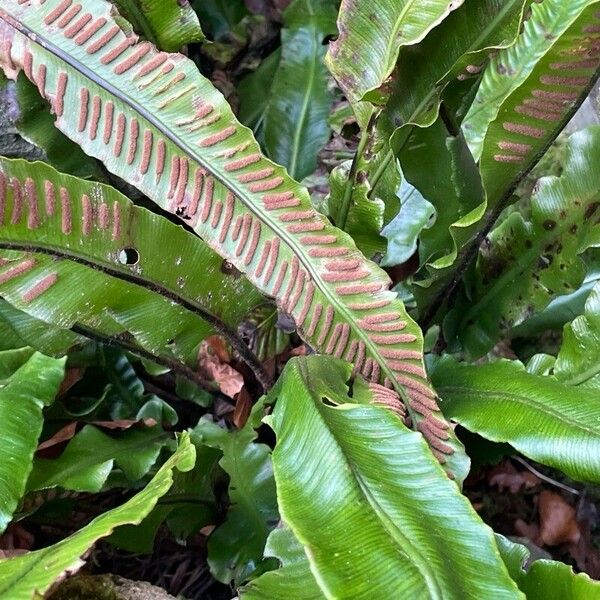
531	531
72	376
298	351
62	435
584	552
207	530
217	343
243	406
558	522
15	540
212	367
506	476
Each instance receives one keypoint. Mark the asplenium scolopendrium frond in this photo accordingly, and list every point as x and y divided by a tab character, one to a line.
156	122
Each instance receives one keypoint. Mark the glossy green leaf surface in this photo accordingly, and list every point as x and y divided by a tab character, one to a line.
90	456
512	67
169	24
254	93
12	360
347	471
441	167
457	47
20	329
235	548
178	141
548	579
528	263
402	233
371	35
27	576
109	246
293	580
578	362
23	395
548	421
295	126
32	118
554	63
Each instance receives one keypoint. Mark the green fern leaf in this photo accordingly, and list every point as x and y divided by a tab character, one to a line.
155	121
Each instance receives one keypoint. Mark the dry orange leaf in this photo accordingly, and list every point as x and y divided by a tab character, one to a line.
213	369
558	522
505	476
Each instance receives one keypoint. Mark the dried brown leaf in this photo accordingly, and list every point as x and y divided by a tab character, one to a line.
213	368
506	476
558	520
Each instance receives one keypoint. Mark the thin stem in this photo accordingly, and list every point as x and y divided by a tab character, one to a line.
342	216
545	478
389	158
385	163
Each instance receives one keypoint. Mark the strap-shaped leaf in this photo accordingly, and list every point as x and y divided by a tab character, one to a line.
295	125
169	24
154	120
377	484
22	398
536	109
90	456
552	423
111	264
548	579
30	575
371	36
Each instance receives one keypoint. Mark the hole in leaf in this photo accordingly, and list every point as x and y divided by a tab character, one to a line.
129	257
327	402
329	38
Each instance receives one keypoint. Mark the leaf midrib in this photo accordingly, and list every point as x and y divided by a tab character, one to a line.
98	458
240	193
127	276
521	399
300	125
420	562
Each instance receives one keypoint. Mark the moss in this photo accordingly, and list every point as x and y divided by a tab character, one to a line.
107	587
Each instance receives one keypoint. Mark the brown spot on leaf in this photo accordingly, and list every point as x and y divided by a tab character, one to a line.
591	209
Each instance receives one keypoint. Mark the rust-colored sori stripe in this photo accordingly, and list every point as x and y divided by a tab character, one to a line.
154	120
552	93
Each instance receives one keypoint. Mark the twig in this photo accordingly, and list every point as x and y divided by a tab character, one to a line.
222	328
342	216
545	478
